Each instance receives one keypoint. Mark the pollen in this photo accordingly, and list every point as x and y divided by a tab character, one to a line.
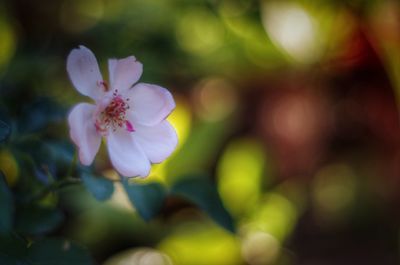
114	115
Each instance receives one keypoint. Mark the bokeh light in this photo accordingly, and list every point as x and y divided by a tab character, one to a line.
141	256
293	29
199	32
334	192
274	214
8	41
9	167
215	99
240	175
191	242
260	248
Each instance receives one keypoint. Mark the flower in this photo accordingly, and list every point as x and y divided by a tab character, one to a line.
130	117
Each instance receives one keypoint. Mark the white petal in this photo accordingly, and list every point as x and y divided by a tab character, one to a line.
149	104
83	132
126	156
84	72
158	142
124	72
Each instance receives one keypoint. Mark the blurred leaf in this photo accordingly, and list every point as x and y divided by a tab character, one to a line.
101	188
58	252
202	192
35	220
13	251
39	114
5	131
194	155
6	206
148	199
42	175
49	157
61	152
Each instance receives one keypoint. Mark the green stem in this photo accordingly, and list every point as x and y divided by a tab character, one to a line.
73	165
56	186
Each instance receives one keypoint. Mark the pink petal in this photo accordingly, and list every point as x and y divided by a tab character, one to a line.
158	142
83	132
149	104
124	72
84	72
126	156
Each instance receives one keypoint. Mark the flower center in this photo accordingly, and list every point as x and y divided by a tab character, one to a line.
113	116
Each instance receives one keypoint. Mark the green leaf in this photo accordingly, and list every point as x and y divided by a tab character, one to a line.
195	154
6	206
58	252
202	192
13	251
101	188
36	220
52	157
59	152
148	199
5	131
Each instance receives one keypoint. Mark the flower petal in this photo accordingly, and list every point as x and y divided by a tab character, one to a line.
84	72
83	132
149	104
126	156
158	142
124	72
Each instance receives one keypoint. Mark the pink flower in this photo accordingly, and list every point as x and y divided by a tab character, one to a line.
130	117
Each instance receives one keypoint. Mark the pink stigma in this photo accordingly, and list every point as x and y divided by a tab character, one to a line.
129	126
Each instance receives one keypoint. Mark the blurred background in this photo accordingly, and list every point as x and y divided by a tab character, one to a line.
287	116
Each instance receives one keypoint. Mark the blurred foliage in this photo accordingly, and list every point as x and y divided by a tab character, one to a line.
101	188
201	191
43	252
287	117
7	207
147	198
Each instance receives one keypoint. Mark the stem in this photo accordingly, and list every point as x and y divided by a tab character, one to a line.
56	186
73	165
